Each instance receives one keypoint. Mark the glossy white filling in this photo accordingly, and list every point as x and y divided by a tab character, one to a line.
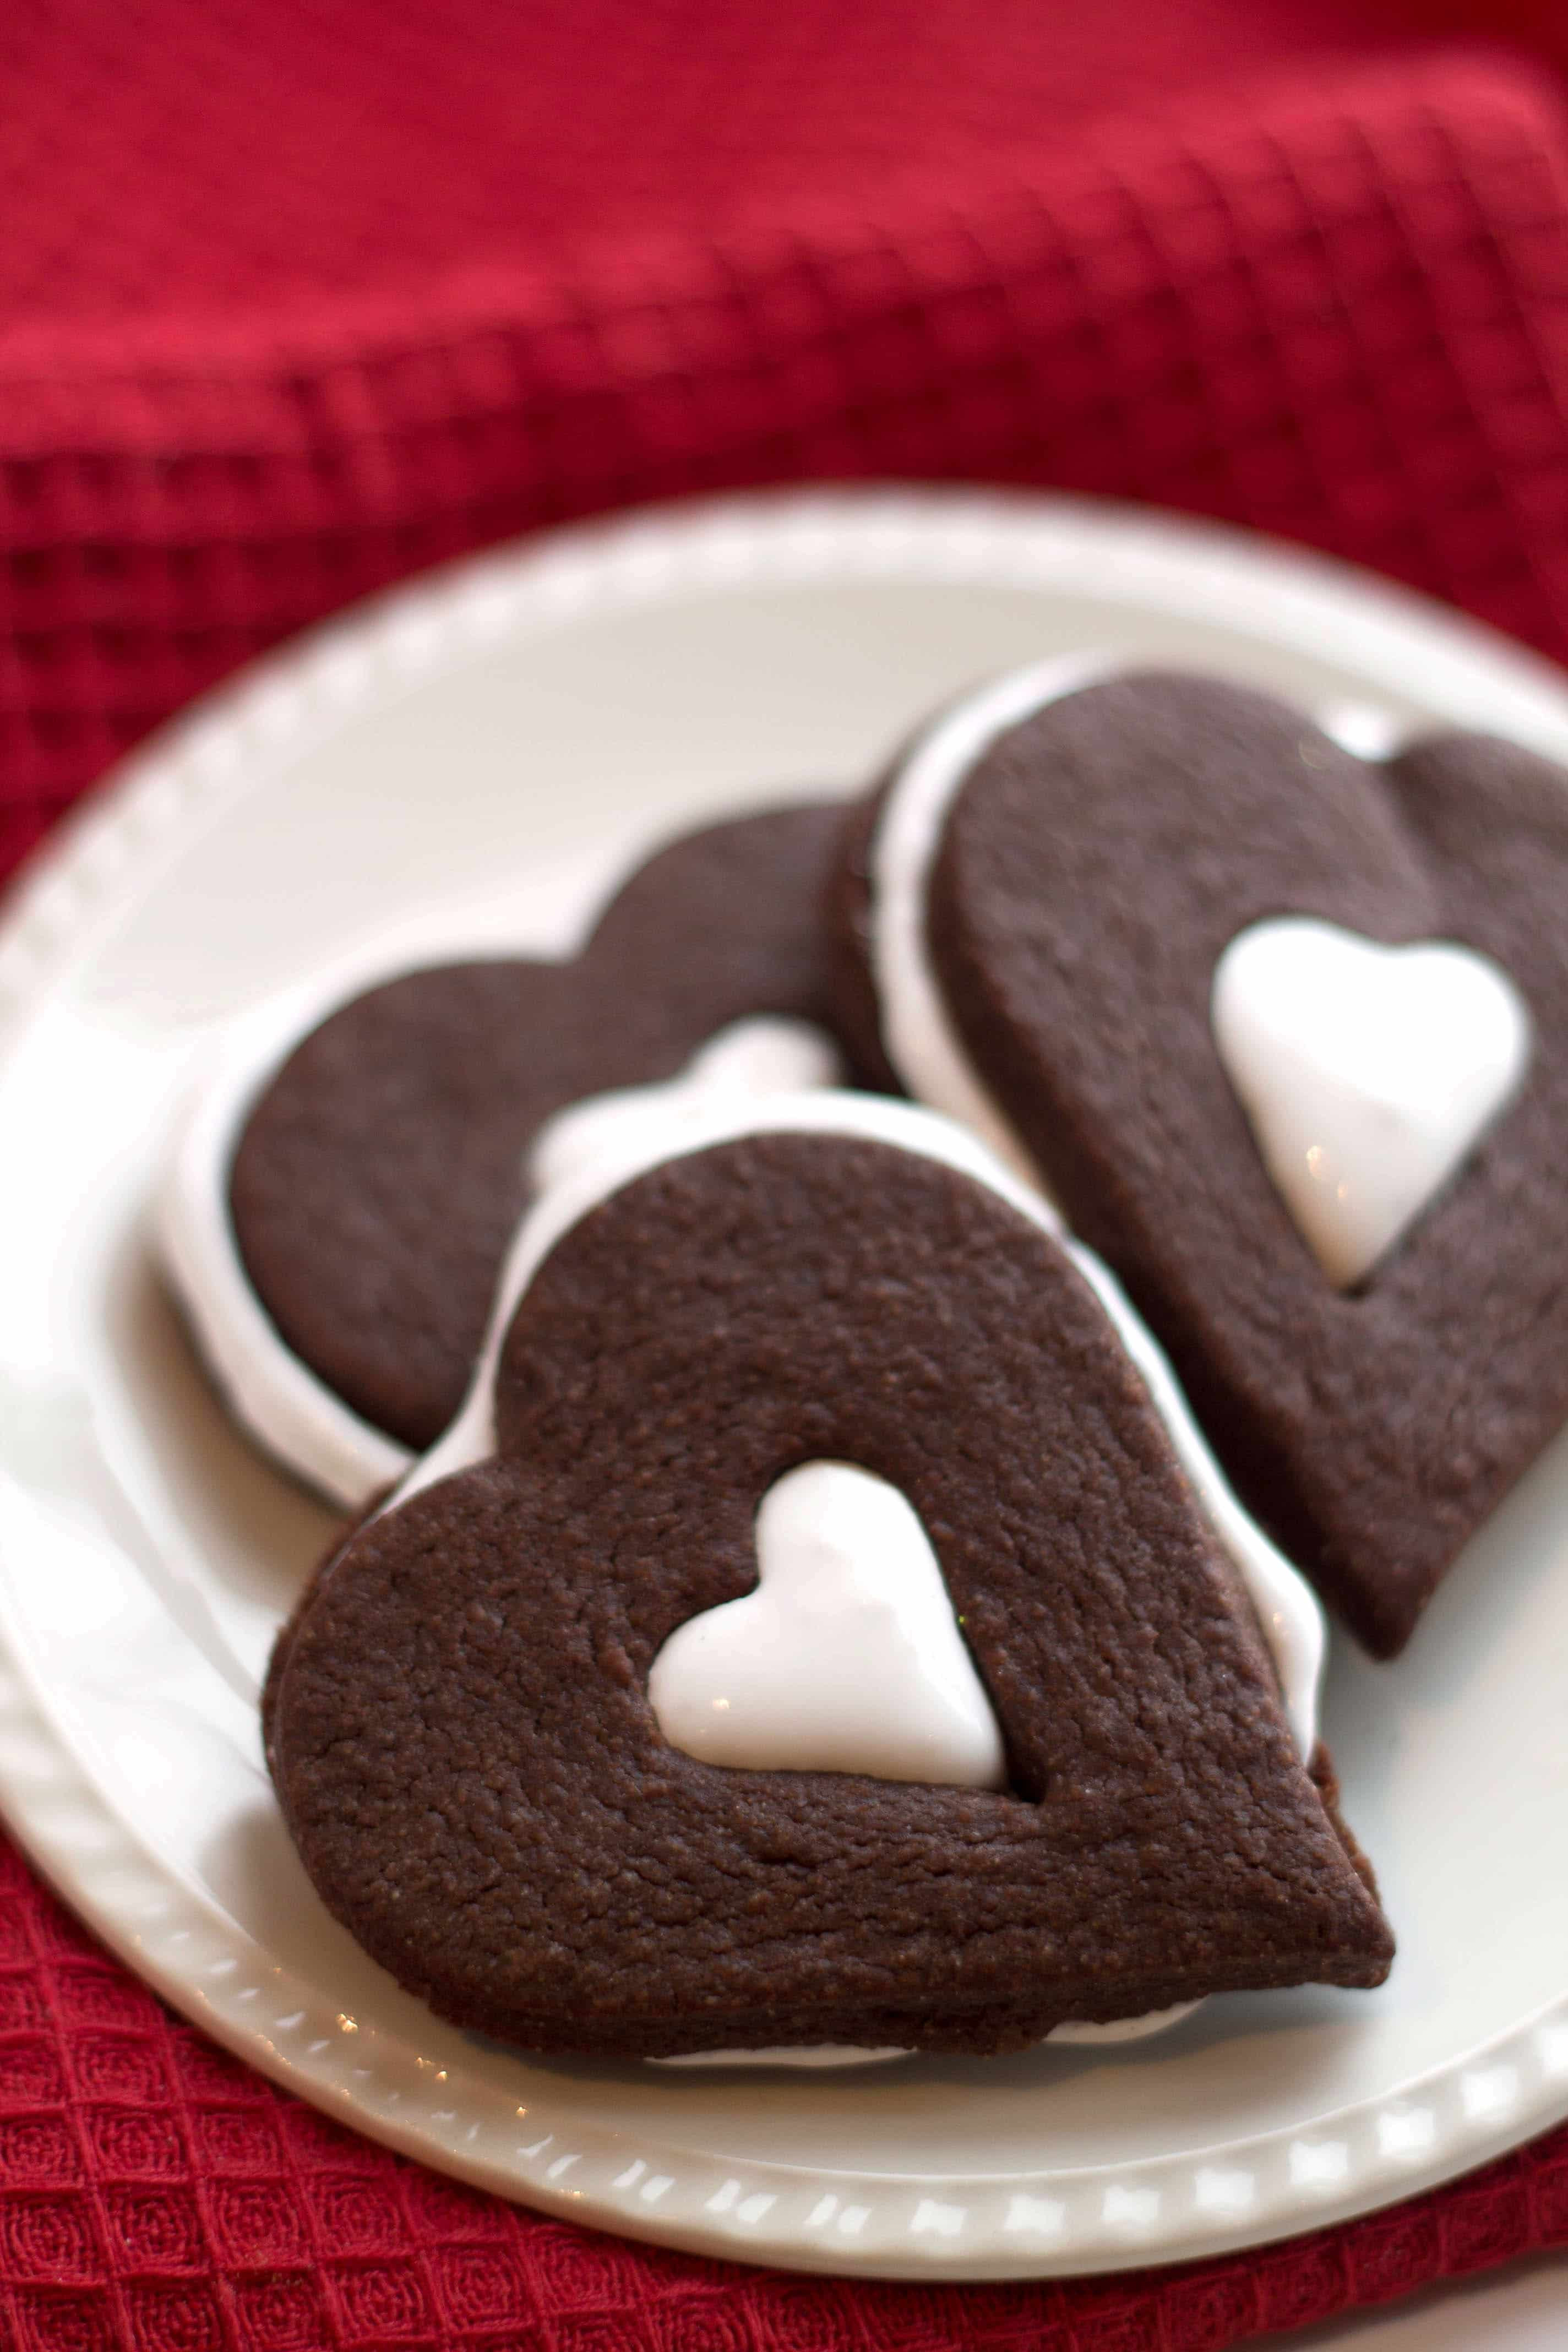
847	1655
919	1037
1367	1071
767	1054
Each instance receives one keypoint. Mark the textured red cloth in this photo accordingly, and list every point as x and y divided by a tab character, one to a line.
156	2194
1331	305
299	295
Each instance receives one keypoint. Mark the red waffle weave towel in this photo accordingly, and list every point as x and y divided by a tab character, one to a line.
294	302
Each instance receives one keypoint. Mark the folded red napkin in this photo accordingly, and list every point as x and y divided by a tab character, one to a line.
269	339
1330	306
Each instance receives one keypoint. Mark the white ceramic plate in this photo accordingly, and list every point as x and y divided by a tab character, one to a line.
469	761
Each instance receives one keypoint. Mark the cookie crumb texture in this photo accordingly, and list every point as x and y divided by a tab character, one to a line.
457	1724
1098	860
381	1172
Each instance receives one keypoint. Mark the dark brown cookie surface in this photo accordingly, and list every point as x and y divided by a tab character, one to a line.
380	1173
1096	864
458	1726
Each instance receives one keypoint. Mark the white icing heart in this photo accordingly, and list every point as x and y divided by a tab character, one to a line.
847	1657
1367	1071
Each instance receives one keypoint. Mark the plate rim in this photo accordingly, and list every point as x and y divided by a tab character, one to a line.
1007	2225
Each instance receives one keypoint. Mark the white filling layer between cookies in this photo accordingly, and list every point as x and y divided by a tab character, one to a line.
269	1390
766	1054
920	1036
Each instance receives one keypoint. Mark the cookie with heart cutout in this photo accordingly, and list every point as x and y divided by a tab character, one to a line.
995	1741
341	1189
1283	1027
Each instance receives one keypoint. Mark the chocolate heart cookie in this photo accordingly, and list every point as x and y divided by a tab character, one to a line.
337	1207
1135	929
461	1718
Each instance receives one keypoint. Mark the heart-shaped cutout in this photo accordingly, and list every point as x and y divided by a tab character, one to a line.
848	1657
1367	1071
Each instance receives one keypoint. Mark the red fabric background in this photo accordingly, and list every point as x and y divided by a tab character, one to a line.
299	296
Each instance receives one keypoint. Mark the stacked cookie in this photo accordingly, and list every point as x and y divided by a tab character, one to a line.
809	1609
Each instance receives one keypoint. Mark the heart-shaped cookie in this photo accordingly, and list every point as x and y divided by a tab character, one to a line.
458	1719
341	1194
1046	888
